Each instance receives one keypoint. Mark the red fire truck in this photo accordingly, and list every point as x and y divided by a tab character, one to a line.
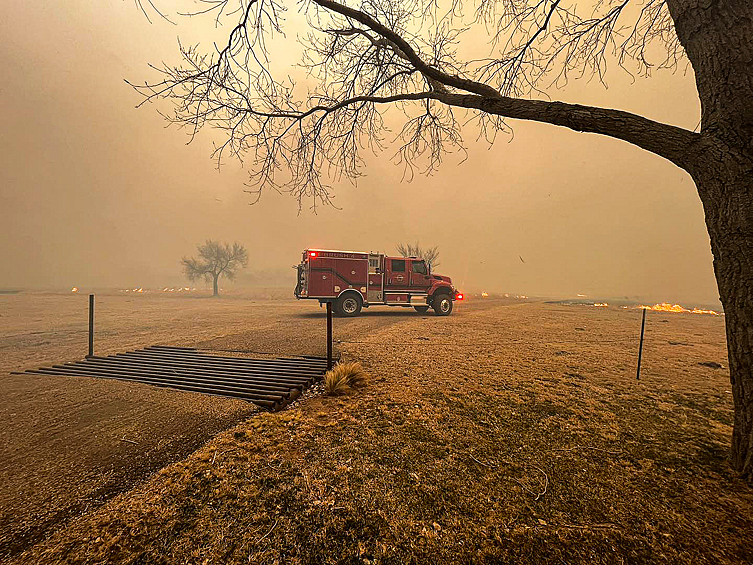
352	280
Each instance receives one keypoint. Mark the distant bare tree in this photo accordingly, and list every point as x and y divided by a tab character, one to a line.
428	254
365	56
215	260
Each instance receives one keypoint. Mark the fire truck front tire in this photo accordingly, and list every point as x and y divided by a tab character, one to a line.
348	305
442	304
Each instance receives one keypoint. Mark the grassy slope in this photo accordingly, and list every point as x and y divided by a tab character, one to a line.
509	433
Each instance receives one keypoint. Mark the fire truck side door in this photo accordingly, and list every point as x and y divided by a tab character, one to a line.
397	274
419	275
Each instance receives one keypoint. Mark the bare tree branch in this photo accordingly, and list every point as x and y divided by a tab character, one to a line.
429	254
403	54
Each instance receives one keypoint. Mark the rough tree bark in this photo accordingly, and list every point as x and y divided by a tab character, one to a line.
718	39
726	189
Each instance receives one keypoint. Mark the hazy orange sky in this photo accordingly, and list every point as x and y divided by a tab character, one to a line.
96	193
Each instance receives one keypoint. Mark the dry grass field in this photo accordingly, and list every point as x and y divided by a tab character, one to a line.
507	432
71	443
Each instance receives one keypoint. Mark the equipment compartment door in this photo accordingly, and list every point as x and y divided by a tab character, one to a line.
375	292
321	277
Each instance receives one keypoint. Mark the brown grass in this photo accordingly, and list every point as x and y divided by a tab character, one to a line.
509	434
344	376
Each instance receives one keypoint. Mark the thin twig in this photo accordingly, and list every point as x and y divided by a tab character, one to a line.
214	457
128	440
481	463
583	527
265	535
546	484
591	448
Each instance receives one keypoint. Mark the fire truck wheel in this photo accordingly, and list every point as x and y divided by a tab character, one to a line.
421	309
442	304
348	305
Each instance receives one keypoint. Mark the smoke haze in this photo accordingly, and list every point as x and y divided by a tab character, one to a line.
96	193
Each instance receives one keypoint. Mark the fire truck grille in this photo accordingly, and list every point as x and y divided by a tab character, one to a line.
269	383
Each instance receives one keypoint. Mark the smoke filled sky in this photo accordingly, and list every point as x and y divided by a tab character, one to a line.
94	192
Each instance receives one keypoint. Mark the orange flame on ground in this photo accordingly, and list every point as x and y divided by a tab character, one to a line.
601	304
74	289
667	307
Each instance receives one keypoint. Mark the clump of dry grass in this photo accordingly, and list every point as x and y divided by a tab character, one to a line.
344	376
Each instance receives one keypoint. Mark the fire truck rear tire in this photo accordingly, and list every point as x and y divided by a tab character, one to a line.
442	304
348	305
421	309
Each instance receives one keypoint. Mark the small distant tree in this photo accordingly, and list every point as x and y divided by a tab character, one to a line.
428	254
215	259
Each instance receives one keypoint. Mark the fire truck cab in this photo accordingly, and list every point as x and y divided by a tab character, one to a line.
352	280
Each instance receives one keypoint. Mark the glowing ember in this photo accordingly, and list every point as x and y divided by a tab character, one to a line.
601	304
74	289
667	307
484	294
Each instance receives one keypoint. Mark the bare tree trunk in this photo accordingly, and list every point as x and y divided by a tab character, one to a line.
726	190
215	291
718	40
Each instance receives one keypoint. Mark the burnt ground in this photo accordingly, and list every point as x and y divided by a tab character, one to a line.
504	433
69	444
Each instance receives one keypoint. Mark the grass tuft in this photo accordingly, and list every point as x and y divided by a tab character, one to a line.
344	376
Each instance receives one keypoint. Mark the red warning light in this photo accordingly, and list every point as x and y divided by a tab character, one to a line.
459	296
312	253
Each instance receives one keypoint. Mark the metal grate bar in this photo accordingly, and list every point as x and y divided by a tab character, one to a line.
269	383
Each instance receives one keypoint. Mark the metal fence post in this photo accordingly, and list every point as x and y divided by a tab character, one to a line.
640	348
91	326
329	335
